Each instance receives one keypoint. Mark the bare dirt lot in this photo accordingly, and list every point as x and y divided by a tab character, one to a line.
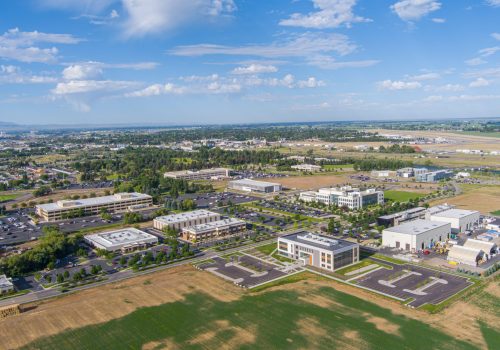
314	181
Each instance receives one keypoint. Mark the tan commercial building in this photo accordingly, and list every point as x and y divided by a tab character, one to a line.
204	174
213	230
187	219
118	202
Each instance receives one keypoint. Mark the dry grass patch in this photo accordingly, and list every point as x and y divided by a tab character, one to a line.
314	181
485	199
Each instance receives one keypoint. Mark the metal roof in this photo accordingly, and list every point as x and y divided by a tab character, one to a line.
417	227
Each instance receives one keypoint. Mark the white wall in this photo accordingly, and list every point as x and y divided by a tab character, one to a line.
389	238
459	224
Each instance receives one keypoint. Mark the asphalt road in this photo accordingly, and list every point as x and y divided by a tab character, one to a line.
125	274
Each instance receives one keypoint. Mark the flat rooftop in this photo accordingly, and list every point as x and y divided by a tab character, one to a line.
401	213
78	203
455	213
439	208
319	241
122	237
209	226
251	182
190	215
202	171
417	227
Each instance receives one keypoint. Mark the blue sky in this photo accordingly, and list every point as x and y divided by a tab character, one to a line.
227	61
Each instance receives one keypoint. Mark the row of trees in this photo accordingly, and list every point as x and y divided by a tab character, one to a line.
52	245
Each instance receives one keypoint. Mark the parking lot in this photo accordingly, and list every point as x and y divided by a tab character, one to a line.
244	271
255	217
18	227
294	208
425	286
210	200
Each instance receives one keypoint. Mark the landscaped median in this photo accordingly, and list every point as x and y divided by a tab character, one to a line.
361	267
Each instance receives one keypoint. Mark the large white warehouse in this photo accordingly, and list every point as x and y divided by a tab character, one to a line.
416	235
460	219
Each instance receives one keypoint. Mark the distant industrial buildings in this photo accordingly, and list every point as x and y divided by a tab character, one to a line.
318	251
416	235
213	230
382	173
434	176
63	209
411	172
125	240
400	217
204	174
353	198
249	185
191	218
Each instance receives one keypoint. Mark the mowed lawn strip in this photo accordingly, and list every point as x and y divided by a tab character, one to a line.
401	196
270	319
8	197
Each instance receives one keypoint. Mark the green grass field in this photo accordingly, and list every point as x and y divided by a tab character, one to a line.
496	212
267	249
270	320
7	197
401	196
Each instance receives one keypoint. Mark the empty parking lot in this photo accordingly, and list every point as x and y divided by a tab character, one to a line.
406	281
244	271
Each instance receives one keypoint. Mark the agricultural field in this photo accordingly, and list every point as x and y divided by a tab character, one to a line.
401	196
475	197
184	308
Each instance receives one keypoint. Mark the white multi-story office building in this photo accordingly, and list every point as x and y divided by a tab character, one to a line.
204	174
187	219
416	235
91	206
353	198
318	251
249	185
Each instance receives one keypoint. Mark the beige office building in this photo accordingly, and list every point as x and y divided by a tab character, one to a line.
92	206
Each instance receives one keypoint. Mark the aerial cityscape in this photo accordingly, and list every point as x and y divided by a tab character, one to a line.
234	174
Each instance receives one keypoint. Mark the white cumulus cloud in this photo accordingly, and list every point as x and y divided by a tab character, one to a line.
255	69
21	46
413	10
154	16
398	85
479	82
329	14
